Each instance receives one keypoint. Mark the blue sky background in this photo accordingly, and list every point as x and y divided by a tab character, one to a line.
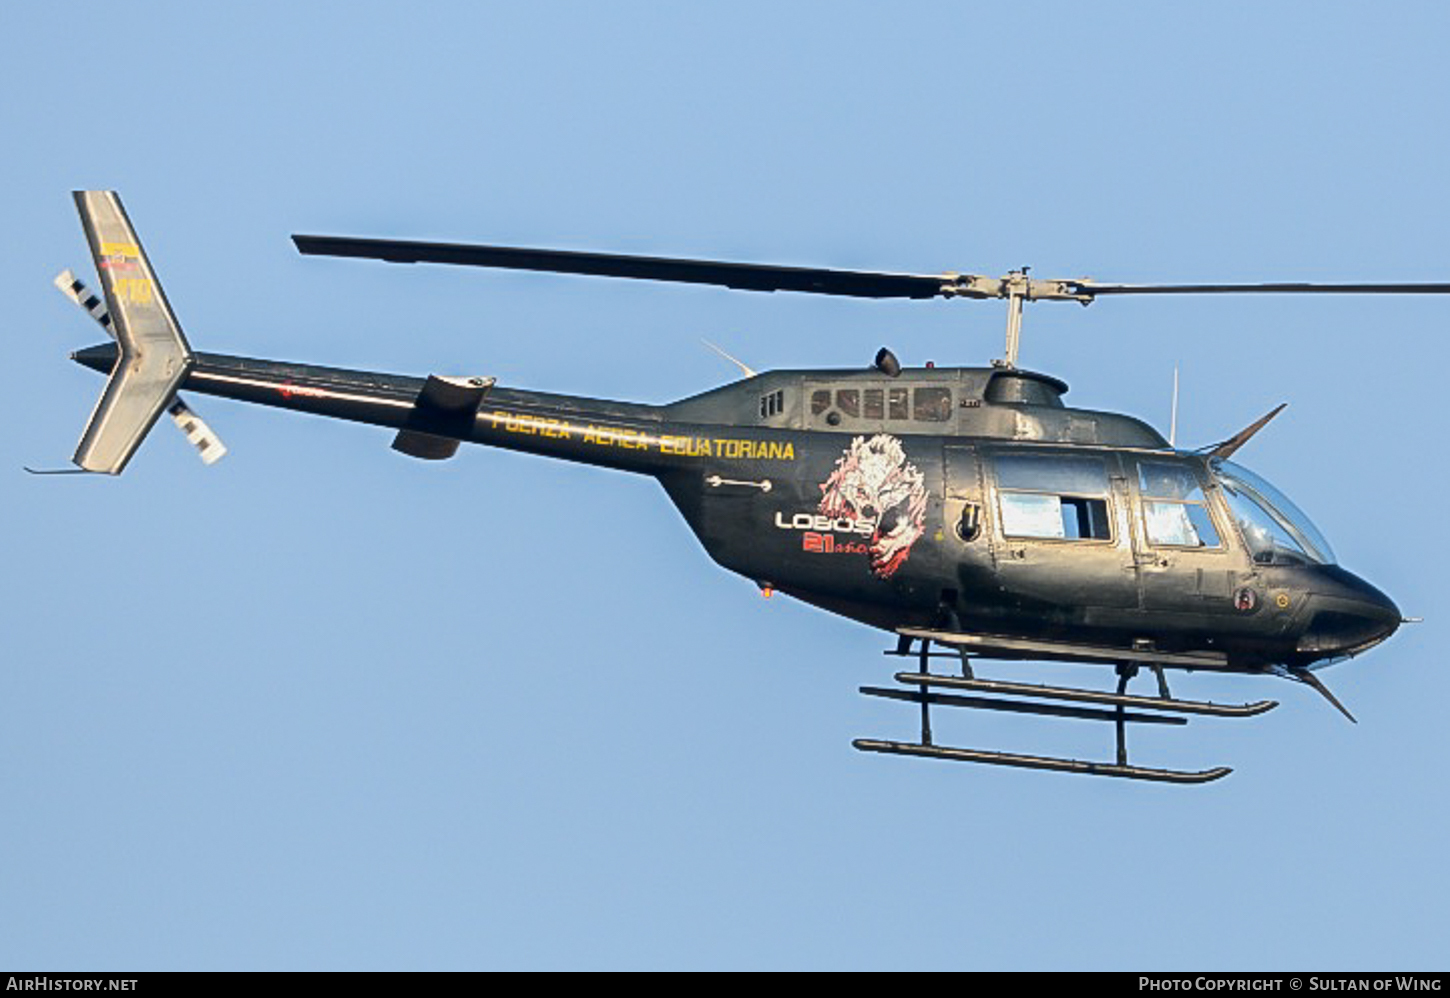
321	706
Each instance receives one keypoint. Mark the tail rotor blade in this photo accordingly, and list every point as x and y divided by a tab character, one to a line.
209	446
75	289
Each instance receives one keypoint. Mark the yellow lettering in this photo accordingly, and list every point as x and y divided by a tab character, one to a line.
133	290
608	436
685	446
756	450
543	426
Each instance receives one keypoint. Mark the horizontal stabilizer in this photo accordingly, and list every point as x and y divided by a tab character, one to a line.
154	356
443	414
425	446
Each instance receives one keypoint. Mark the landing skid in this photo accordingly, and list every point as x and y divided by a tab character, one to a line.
1025	698
1041	762
1090	696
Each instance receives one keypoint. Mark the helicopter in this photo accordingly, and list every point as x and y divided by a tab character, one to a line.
967	511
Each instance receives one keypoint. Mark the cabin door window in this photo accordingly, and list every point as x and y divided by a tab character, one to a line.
1052	497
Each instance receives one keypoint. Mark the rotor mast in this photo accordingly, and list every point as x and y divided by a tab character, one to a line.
1017	288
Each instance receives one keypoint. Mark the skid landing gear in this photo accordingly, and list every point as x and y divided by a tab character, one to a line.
1024	698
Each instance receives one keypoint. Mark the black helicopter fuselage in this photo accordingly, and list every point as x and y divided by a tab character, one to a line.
964	498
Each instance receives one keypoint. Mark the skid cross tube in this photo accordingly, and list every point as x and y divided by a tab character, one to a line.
925	694
1125	673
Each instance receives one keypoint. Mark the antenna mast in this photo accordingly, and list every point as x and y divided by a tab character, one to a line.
1173	419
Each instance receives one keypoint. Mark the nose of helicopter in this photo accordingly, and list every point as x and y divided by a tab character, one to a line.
1347	616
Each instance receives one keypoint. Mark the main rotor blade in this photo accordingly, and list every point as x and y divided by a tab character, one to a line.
1094	289
813	280
742	276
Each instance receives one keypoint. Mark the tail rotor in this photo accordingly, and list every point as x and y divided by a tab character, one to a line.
209	446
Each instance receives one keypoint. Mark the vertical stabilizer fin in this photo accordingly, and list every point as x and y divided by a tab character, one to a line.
201	436
154	356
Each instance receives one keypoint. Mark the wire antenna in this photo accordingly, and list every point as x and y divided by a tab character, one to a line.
745	369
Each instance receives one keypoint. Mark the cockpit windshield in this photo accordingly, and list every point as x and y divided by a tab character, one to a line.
1276	531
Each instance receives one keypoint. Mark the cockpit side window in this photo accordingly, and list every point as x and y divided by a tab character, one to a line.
1175	511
